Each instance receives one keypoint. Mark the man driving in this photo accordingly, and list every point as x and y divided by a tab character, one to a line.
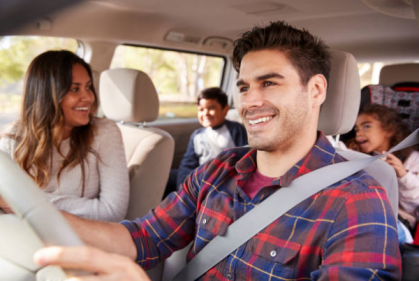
345	232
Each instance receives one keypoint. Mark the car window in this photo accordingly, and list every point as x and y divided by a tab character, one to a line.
177	76
16	53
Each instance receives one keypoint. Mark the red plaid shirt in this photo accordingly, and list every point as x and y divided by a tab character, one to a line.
345	232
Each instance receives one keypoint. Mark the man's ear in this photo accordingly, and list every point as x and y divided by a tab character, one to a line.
317	87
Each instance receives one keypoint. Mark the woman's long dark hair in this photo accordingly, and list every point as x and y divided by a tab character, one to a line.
47	81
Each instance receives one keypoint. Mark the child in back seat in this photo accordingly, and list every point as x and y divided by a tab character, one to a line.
217	134
379	128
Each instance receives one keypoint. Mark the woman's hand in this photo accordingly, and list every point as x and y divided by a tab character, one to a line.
397	164
5	207
103	265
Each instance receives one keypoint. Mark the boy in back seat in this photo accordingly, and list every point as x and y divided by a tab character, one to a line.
216	135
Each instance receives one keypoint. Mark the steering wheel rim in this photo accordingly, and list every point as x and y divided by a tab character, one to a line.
34	210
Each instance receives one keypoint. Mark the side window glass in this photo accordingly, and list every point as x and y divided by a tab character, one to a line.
16	53
369	73
177	76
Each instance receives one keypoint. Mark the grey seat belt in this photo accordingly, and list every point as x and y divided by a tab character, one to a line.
275	206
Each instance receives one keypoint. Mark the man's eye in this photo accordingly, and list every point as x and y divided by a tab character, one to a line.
243	89
267	83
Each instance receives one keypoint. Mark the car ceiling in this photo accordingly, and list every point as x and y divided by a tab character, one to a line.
348	25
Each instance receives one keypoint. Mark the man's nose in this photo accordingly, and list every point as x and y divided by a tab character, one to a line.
252	98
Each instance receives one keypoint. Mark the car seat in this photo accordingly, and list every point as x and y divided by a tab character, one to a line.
129	97
398	88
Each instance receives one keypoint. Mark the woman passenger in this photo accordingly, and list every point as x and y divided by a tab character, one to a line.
76	158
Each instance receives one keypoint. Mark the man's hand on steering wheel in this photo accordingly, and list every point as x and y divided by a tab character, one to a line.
103	265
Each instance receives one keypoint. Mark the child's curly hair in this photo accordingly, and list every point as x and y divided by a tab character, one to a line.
353	145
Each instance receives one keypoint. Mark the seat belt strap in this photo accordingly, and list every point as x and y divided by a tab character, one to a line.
274	207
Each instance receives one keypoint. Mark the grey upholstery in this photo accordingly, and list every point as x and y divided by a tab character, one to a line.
339	111
129	96
395	73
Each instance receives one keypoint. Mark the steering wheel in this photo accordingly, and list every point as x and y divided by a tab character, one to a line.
36	223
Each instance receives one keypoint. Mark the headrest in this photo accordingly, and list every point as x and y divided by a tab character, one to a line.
396	73
128	95
339	111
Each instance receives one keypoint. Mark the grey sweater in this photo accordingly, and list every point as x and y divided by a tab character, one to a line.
106	193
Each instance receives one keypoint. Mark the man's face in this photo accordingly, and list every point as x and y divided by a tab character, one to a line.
210	113
273	104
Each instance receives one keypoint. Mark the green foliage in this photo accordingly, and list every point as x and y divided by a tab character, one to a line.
178	77
18	51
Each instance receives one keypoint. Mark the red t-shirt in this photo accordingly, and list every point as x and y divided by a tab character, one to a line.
256	182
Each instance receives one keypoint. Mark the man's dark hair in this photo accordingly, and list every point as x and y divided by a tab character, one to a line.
307	53
214	93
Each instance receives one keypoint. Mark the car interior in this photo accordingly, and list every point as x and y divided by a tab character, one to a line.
343	100
135	46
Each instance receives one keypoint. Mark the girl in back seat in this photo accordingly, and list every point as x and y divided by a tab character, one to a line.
76	158
379	128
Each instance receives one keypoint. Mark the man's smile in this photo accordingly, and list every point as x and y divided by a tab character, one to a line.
260	120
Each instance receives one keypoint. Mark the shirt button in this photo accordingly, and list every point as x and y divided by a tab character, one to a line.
273	253
229	276
204	221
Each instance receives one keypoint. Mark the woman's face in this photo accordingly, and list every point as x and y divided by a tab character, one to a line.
77	103
370	134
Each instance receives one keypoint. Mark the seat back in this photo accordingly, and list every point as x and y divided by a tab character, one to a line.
396	73
340	109
129	96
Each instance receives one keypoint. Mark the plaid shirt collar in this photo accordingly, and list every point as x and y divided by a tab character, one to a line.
322	154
